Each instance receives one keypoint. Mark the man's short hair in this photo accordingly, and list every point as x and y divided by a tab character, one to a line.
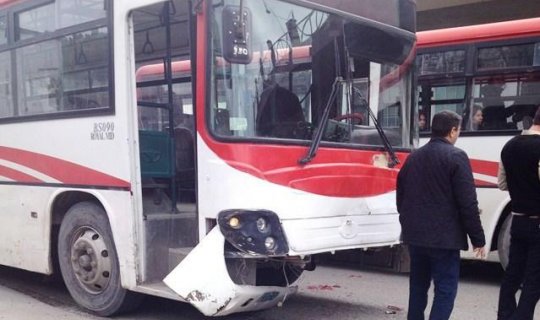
536	120
443	122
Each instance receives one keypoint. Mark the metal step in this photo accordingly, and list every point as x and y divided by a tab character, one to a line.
186	207
171	216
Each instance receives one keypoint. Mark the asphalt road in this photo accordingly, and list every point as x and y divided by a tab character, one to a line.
329	292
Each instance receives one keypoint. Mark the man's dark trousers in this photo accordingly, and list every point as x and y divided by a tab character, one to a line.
523	267
441	265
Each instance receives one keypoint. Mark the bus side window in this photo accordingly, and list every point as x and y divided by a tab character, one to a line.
495	118
494	111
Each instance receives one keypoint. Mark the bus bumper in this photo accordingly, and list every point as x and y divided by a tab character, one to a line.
327	234
202	279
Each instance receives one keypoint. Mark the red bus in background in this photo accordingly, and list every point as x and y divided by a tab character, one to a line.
490	74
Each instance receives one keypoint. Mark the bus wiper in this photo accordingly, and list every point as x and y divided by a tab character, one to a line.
312	152
393	157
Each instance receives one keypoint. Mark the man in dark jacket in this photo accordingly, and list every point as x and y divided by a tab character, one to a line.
520	175
436	200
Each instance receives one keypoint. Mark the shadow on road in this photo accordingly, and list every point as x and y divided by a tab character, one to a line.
304	307
481	272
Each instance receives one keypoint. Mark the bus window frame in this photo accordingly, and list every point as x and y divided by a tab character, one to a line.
501	43
13	45
467	48
471	73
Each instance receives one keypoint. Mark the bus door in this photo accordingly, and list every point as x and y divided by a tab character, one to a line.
166	135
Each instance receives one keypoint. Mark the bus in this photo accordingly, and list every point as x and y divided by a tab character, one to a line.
201	151
490	74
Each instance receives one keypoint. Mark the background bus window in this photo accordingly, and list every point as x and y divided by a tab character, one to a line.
502	57
436	97
445	62
442	86
509	102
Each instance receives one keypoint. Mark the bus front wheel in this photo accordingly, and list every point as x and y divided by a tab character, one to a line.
503	241
89	262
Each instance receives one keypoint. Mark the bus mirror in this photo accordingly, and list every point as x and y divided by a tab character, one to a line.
237	34
376	43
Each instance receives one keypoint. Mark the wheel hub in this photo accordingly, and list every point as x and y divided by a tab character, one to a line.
90	260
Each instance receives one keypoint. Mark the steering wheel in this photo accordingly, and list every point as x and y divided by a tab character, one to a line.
303	130
353	116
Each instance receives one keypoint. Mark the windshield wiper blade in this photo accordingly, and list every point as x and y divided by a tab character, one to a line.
315	143
394	160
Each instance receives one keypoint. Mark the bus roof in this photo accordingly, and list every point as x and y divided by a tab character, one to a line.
482	32
6	3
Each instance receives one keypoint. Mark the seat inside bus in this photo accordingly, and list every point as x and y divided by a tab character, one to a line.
185	159
279	113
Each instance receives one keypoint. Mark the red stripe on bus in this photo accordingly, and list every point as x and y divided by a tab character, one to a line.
61	170
18	176
334	172
489	168
482	183
331	179
476	33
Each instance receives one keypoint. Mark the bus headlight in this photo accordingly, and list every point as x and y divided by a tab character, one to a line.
234	222
270	243
261	224
254	231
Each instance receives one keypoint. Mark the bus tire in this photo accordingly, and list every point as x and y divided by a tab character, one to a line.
89	262
503	241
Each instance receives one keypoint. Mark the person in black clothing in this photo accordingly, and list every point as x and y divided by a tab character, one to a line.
519	173
436	201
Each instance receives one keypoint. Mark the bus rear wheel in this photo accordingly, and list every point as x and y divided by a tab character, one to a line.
503	241
89	262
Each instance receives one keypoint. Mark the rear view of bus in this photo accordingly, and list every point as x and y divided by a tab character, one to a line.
208	148
490	74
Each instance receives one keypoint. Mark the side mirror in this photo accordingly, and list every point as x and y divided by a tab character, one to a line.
237	34
377	43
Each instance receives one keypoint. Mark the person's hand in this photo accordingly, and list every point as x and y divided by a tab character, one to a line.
479	252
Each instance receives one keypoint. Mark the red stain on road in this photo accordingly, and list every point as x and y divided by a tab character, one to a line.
323	287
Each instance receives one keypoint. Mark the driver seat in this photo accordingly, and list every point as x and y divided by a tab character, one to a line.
278	114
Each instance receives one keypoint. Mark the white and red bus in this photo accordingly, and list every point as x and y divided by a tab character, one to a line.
200	151
491	75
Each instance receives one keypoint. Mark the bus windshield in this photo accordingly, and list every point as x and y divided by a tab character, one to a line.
277	66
